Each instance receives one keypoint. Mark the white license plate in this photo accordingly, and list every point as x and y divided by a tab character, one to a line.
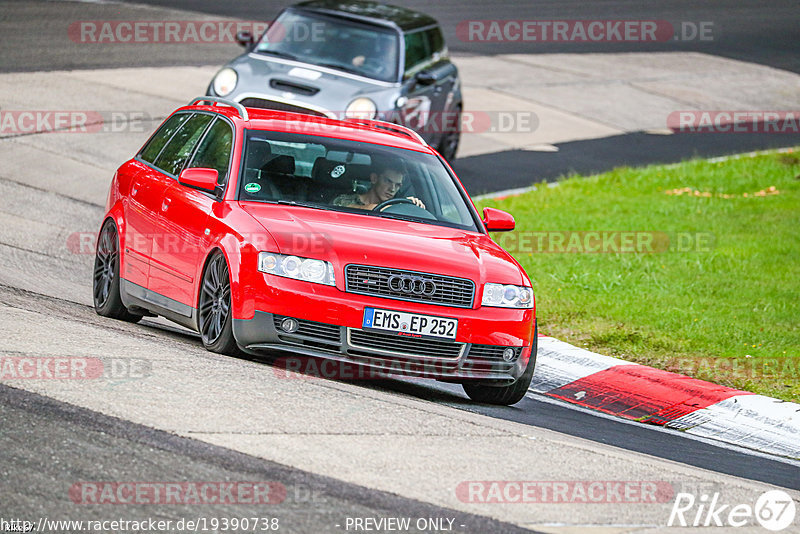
410	324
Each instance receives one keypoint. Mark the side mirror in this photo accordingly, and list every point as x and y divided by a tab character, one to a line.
426	77
498	220
200	178
245	38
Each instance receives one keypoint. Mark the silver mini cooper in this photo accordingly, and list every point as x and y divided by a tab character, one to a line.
355	59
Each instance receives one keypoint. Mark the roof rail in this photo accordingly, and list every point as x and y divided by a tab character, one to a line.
390	126
215	100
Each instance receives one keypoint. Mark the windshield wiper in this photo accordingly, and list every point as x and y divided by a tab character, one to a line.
301	203
398	217
339	66
277	53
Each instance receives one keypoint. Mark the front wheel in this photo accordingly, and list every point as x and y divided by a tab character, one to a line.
505	395
214	311
105	282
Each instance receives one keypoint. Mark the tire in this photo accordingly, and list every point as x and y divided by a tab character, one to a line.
214	316
505	395
448	145
105	280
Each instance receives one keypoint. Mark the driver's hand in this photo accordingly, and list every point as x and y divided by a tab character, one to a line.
416	201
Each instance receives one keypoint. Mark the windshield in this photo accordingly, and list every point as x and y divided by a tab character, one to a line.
335	43
342	175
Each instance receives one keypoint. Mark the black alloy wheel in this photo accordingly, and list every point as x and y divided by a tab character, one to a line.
106	279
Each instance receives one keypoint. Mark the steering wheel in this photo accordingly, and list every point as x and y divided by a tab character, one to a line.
375	66
392	202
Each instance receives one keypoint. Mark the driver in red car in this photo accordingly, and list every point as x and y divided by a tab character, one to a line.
385	185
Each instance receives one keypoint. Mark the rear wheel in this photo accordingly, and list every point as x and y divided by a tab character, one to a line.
505	395
214	311
105	282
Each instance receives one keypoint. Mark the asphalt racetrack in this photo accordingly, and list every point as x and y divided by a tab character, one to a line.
331	451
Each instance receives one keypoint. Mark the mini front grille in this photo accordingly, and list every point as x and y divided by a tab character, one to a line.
278	106
426	349
375	281
310	333
489	358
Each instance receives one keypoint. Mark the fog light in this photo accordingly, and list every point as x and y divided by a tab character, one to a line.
508	354
289	325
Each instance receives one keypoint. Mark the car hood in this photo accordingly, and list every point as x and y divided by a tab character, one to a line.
258	73
345	238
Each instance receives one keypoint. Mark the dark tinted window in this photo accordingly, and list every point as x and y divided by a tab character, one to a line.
214	151
337	174
157	142
333	42
416	49
435	40
180	147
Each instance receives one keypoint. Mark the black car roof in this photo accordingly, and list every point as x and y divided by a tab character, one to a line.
405	19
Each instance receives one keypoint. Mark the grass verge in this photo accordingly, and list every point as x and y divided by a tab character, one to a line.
693	268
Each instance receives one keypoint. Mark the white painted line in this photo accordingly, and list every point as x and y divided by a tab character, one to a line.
751	154
754	421
656	428
505	193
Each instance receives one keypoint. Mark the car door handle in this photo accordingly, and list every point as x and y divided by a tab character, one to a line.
134	190
165	204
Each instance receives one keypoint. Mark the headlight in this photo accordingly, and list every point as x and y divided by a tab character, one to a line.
507	296
225	81
361	108
306	269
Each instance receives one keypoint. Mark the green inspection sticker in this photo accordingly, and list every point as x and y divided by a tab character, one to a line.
252	187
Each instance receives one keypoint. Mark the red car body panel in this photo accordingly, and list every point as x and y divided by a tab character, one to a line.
167	232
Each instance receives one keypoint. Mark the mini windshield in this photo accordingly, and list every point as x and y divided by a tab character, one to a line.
337	174
335	43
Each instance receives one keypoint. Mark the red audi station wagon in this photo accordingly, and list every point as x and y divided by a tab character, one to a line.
349	240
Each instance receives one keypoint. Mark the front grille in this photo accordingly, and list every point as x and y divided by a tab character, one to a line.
374	281
311	334
489	358
430	349
278	106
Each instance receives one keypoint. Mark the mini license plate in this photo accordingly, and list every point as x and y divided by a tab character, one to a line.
410	324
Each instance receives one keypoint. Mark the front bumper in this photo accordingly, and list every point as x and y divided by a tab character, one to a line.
383	353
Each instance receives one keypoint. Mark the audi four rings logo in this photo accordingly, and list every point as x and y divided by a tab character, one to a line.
412	285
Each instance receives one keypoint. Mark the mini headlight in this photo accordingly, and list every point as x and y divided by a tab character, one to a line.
306	269
361	108
507	296
225	81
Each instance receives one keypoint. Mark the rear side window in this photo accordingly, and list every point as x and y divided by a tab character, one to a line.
416	49
435	40
214	151
181	146
157	142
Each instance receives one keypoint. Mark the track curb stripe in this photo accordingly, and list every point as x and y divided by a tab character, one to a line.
640	393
